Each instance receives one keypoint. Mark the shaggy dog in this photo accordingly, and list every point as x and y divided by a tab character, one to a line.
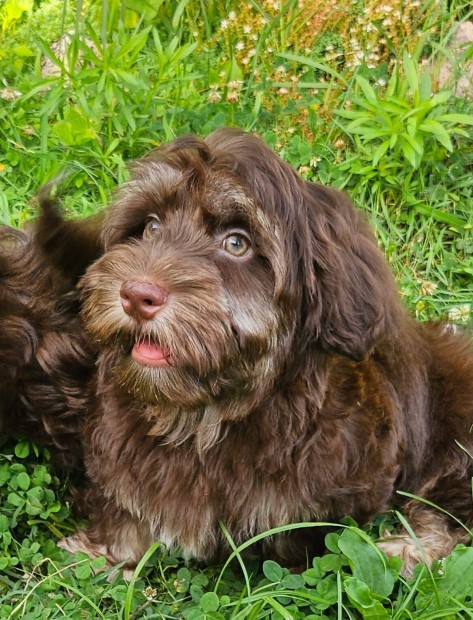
45	363
256	367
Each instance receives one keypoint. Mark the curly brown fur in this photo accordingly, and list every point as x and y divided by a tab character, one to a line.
45	362
257	368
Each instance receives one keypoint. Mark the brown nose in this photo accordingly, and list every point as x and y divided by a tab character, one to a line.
142	300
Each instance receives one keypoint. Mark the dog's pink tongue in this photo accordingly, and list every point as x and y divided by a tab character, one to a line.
150	354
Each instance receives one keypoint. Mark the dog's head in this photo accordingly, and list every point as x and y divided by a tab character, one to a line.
223	271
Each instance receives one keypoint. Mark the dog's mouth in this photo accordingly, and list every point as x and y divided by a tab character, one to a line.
150	353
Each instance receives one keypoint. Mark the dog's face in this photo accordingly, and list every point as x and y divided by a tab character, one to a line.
216	276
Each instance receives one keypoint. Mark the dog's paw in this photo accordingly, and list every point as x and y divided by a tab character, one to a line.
405	548
80	542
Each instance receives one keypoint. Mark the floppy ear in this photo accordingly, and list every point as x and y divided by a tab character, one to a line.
352	299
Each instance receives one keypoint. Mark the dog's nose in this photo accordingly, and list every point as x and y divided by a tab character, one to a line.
142	300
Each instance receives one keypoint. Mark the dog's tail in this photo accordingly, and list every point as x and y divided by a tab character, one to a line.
69	246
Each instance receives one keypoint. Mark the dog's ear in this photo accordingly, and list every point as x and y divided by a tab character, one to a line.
352	302
69	246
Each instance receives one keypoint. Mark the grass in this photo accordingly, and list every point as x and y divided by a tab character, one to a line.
348	93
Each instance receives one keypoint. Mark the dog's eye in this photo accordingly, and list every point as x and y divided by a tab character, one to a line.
151	227
236	244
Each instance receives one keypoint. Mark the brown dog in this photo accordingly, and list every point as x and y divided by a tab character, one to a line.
45	362
257	368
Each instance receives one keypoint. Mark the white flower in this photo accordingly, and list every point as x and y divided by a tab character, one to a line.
460	313
10	94
214	96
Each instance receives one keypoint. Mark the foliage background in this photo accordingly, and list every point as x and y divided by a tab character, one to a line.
352	95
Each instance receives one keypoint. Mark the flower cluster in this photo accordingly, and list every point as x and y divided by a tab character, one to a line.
340	35
380	31
369	31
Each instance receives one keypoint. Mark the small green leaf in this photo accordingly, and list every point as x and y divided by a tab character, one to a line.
331	542
5	474
439	98
292	582
23	481
367	90
380	152
409	153
200	580
331	562
22	449
440	216
178	13
411	73
312	575
128	79
98	563
209	602
15	500
438	131
416	142
272	571
83	570
4	524
460	119
118	593
23	51
393	140
360	595
32	508
184	573
196	593
425	86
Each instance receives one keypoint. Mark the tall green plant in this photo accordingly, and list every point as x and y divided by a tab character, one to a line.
401	131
